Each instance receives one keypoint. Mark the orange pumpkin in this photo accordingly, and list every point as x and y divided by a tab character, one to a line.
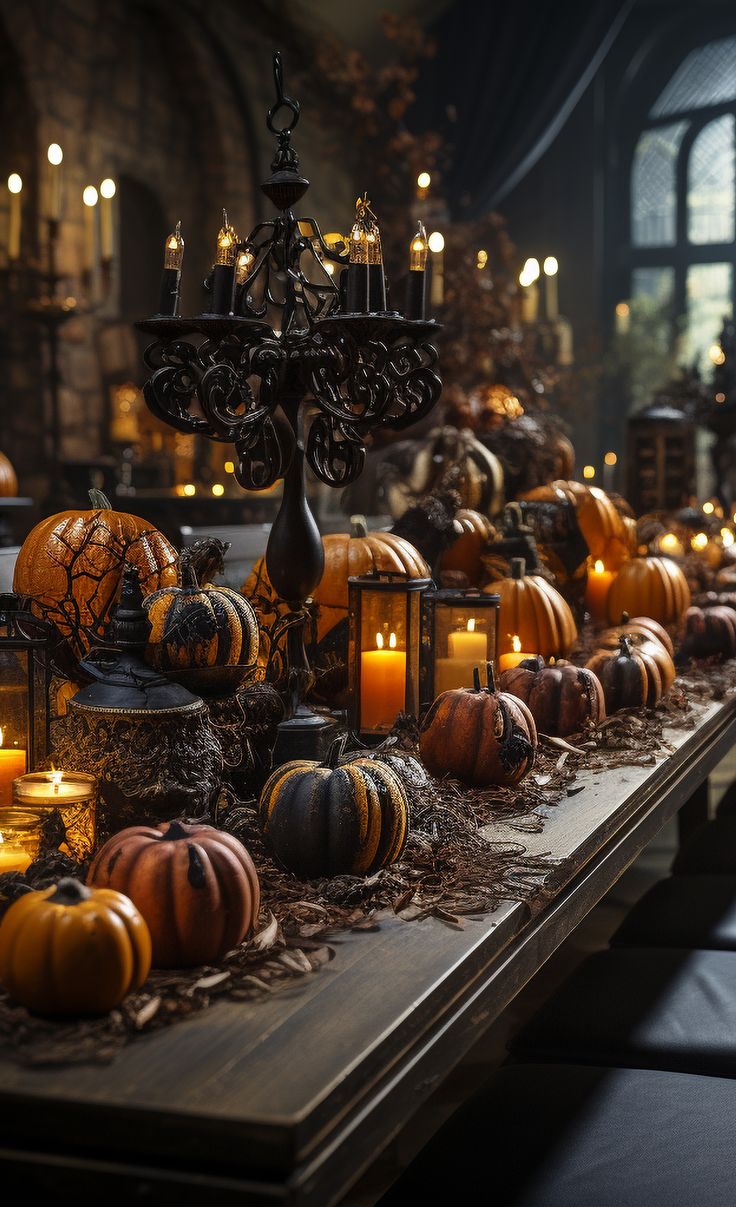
8	478
465	553
70	567
534	611
649	586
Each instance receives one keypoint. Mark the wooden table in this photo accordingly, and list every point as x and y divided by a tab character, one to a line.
289	1100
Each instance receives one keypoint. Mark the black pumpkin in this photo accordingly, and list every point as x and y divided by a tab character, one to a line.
206	637
326	819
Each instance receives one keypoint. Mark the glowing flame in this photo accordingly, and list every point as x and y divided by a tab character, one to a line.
471	625
56	778
599	567
516	644
392	641
379	641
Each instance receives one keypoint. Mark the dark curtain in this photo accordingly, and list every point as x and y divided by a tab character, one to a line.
510	72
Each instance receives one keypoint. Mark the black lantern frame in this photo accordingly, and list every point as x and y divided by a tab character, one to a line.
26	647
379	605
286	370
444	613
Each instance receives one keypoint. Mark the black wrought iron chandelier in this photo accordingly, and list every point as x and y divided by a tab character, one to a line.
290	365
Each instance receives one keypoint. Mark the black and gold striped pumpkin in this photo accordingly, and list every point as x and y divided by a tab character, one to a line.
206	637
325	819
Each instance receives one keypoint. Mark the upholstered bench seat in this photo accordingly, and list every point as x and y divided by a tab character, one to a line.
683	911
712	849
566	1136
659	1008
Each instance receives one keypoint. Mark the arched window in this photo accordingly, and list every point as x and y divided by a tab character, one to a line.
683	207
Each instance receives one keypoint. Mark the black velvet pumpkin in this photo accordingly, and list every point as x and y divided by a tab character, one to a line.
324	819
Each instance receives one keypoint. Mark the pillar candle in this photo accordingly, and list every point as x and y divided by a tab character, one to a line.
507	662
550	297
596	592
382	684
530	302
12	764
15	187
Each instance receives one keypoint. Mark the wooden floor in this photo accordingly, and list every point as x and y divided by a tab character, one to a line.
477	1066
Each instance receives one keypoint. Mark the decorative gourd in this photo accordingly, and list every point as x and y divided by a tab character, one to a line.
465	554
333	818
629	676
70	567
709	633
643	640
71	950
561	698
649	586
206	637
417	468
195	886
346	554
534	611
600	522
8	478
479	735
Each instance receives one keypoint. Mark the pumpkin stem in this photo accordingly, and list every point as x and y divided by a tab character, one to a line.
358	526
70	892
98	500
624	646
625	618
175	831
518	567
335	751
491	677
476	679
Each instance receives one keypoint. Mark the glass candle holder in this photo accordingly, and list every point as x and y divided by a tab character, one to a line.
383	660
459	632
24	690
20	839
70	794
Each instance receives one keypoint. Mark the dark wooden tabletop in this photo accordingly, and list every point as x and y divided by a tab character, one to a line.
288	1100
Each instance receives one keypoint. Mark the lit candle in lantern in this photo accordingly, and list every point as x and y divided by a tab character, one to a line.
55	156
12	764
90	197
466	648
596	592
107	192
15	188
508	661
382	684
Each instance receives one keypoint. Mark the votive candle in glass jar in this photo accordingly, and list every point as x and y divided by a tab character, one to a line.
20	837
71	794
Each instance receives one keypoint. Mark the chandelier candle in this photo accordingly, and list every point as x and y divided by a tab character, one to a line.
366	281
223	270
171	275
416	282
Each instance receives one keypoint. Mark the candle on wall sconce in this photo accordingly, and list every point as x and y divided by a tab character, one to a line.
436	243
55	156
223	272
15	188
108	190
90	197
551	268
171	274
416	282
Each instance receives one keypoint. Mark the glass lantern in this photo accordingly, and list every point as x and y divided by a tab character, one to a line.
383	660
459	632
25	679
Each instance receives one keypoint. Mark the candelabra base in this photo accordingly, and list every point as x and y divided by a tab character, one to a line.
306	735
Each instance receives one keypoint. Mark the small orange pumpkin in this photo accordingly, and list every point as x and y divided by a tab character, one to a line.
649	586
534	611
71	950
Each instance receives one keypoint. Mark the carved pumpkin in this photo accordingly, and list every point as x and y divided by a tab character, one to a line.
206	637
417	468
600	522
532	610
479	735
643	640
70	567
709	633
331	818
100	944
561	698
8	478
649	586
465	554
195	886
629	676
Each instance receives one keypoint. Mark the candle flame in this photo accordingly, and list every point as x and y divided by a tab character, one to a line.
56	778
599	567
471	625
392	641
516	644
379	641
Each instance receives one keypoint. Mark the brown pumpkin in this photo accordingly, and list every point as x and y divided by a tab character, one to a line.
71	950
8	478
466	552
561	698
649	586
205	637
195	886
648	627
642	639
532	610
709	633
336	817
629	676
70	567
478	735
